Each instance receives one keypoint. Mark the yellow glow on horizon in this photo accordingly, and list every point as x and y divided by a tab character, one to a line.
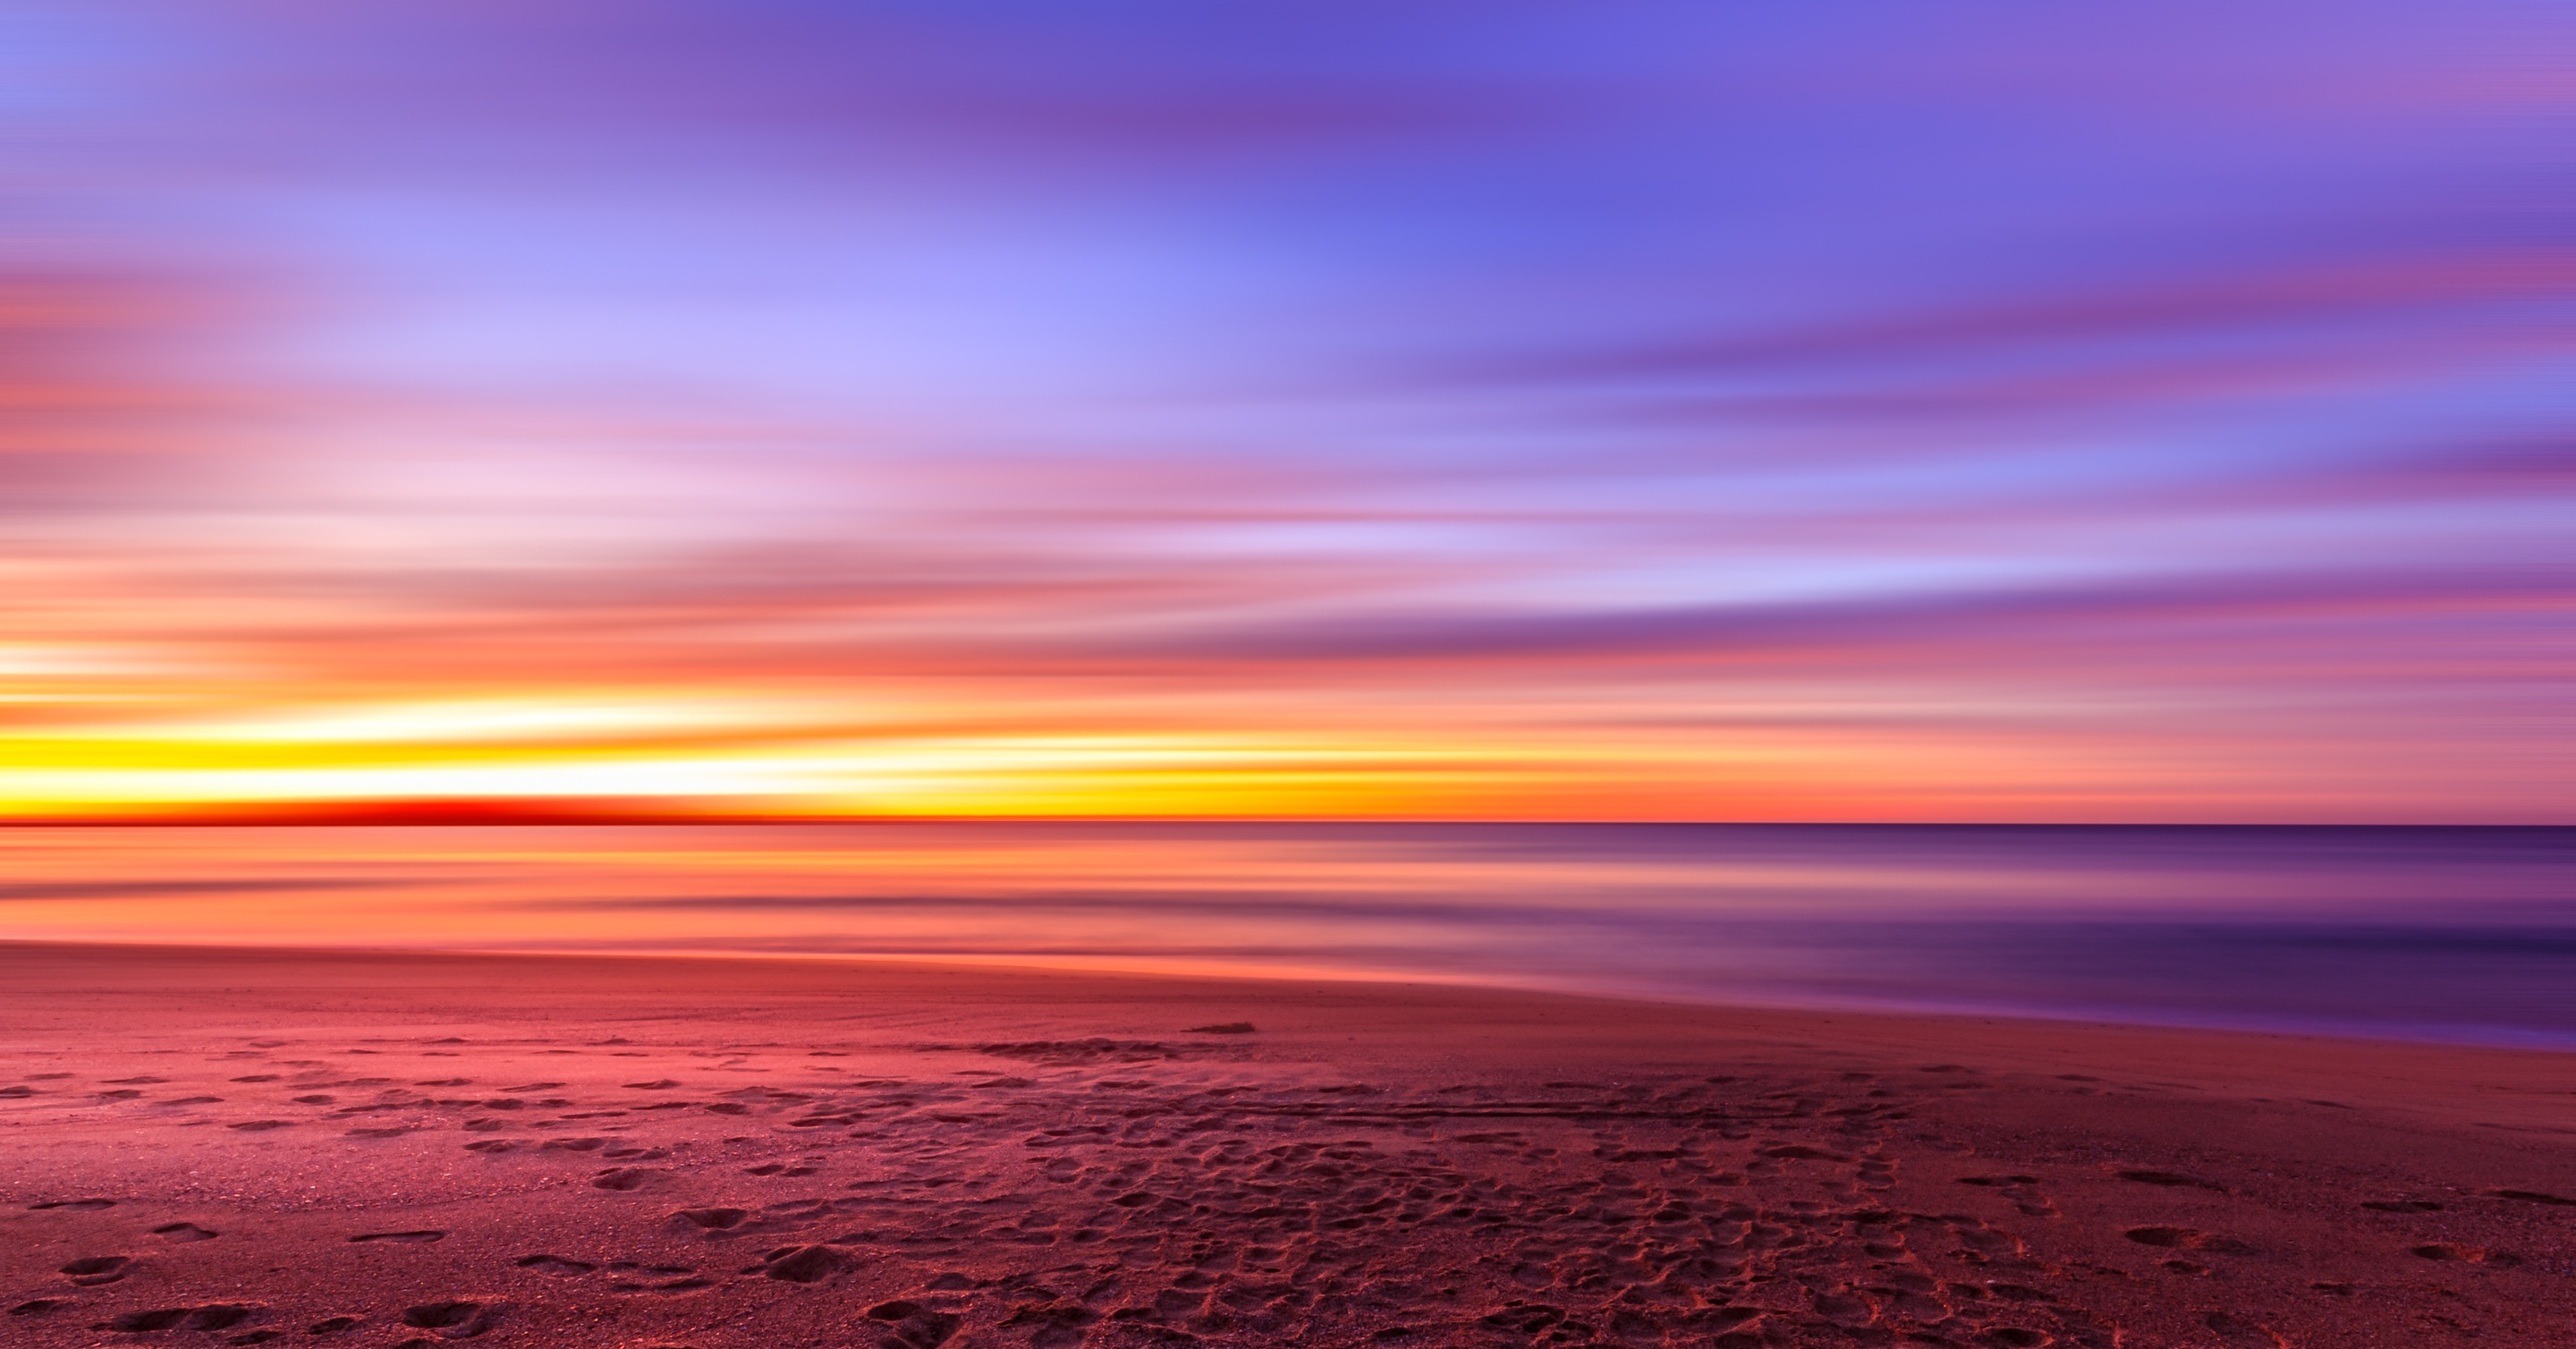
323	761
913	746
45	774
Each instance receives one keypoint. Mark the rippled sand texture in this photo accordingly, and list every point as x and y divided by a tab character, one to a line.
244	1147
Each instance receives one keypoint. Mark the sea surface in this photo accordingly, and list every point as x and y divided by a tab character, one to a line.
2446	934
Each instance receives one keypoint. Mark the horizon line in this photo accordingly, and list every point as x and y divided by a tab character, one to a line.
466	813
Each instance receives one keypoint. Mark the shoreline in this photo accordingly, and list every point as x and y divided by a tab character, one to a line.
2503	1039
1055	1158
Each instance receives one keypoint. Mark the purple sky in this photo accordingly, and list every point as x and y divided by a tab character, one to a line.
1897	412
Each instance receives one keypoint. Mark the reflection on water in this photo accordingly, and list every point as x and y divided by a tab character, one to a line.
2464	934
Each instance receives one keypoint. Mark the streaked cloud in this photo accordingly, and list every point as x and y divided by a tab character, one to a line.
2044	415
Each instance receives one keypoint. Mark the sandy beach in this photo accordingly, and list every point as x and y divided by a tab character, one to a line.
232	1146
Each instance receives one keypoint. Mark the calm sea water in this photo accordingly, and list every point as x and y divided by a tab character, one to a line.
2445	934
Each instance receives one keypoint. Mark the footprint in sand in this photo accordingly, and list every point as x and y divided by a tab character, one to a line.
220	1316
454	1320
557	1265
13	1093
1059	1323
2187	1239
624	1179
98	1269
183	1232
2239	1333
656	1278
2473	1255
2022	1190
413	1238
800	1264
916	1324
2172	1180
163	1319
75	1205
260	1125
38	1306
333	1325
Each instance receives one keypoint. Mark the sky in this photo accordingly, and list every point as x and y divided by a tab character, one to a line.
1826	412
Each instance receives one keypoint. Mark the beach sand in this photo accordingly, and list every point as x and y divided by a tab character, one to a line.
229	1146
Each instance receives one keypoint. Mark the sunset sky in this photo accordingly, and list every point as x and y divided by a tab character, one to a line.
1907	412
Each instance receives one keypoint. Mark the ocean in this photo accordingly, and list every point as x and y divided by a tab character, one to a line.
2445	934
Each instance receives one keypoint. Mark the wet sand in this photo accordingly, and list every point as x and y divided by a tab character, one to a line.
370	1150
